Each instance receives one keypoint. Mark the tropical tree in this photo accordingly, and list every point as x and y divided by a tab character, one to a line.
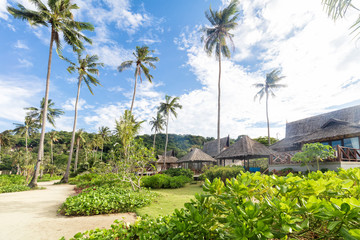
37	113
338	9
104	133
215	38
142	58
271	82
85	67
29	128
59	18
5	140
80	138
168	107
53	138
157	125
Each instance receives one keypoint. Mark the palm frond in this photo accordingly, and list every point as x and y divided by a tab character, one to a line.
125	65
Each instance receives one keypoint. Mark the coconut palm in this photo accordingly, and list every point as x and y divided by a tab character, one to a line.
338	9
58	16
271	83
104	133
80	138
142	58
85	67
29	128
37	113
215	37
53	138
168	107
157	124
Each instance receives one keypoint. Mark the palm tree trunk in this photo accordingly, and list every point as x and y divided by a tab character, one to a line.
219	93
77	154
133	98
65	179
267	116
154	142
102	149
52	153
33	182
26	147
166	141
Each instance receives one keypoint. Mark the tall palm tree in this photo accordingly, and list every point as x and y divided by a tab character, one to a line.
37	113
79	140
53	138
169	107
29	128
157	124
59	18
271	83
215	36
85	67
104	133
143	58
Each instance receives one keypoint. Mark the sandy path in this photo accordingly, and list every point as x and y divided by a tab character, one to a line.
33	215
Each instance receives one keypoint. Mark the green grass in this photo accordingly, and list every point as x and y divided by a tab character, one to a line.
169	200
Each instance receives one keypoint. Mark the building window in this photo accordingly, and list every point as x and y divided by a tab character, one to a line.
352	142
335	143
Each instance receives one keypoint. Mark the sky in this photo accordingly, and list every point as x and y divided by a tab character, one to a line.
318	57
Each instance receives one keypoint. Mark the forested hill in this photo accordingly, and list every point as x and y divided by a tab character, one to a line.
181	144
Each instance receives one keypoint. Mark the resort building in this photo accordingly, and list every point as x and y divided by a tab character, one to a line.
339	129
211	147
171	161
195	160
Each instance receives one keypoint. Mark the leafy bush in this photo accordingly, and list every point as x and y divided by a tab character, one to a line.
47	177
173	172
222	172
12	183
254	206
99	200
96	180
164	181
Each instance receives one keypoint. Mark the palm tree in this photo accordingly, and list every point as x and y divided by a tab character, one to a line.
338	8
168	107
157	124
104	133
271	83
85	68
79	138
52	113
222	21
53	138
142	59
5	140
29	128
61	21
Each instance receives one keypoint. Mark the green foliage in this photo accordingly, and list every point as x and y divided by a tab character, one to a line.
164	181
313	152
264	140
99	200
179	172
48	177
12	183
222	172
96	180
255	206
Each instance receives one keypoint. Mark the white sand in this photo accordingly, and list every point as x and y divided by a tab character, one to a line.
33	215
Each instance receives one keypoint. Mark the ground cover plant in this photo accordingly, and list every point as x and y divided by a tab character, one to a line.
48	177
222	172
12	183
164	181
254	206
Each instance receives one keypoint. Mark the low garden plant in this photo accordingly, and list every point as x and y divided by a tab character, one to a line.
12	183
222	172
254	206
173	172
164	181
48	177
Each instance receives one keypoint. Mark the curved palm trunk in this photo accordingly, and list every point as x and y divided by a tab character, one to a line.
133	98
219	93
267	116
77	153
33	182
166	141
154	141
65	179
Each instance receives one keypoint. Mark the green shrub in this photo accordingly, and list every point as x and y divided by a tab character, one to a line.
164	181
96	180
99	200
12	183
47	177
222	172
173	172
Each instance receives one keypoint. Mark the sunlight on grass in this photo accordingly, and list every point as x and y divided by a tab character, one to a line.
169	200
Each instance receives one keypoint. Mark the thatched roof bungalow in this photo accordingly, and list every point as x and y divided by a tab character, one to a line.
196	160
211	147
171	161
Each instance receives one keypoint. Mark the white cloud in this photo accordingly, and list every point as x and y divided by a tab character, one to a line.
70	104
115	89
21	45
3	11
111	55
25	63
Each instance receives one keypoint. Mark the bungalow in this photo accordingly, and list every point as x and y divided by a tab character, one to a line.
339	129
171	161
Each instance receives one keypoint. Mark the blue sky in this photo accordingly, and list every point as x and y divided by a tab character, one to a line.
317	56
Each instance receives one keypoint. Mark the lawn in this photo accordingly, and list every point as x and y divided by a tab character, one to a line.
169	200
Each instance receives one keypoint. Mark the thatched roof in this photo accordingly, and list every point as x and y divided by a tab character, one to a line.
169	159
309	125
245	148
196	155
210	148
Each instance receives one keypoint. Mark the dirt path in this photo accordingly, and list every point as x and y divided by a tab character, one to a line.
33	215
